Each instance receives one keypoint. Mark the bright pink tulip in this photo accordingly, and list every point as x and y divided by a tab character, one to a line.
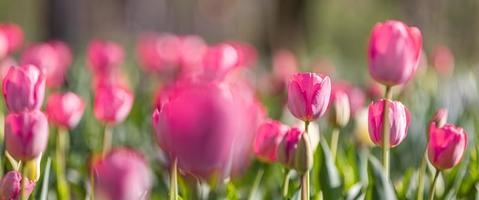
104	57
26	134
123	174
398	122
308	95
288	146
112	103
65	109
446	145
10	186
394	52
53	58
13	35
267	140
159	52
443	60
23	88
207	128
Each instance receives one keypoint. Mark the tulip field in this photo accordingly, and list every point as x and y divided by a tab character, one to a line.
174	116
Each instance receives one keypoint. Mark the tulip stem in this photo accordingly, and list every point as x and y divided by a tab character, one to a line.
257	180
286	184
173	180
385	132
422	173
23	194
62	184
334	143
107	140
305	186
433	186
306	125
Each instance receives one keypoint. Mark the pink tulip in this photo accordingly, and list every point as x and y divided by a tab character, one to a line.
23	88
122	175
267	140
443	60
10	186
356	97
308	95
440	117
285	65
13	35
159	52
112	103
246	53
218	61
5	65
65	109
288	146
53	58
446	145
26	134
398	122
394	52
192	50
104	57
207	127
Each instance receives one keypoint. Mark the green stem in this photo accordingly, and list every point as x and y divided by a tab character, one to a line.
433	186
422	173
286	185
92	185
385	132
62	184
306	126
334	143
107	140
256	183
23	194
173	180
305	186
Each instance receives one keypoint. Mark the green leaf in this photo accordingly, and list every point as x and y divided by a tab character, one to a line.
46	176
355	192
379	186
330	181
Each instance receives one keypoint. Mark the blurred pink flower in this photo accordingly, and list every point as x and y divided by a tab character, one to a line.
26	134
65	109
112	103
5	65
356	97
446	145
443	60
218	61
285	65
10	186
104	57
394	52
122	175
267	140
398	122
439	118
52	58
308	95
246	53
159	52
12	34
23	88
192	50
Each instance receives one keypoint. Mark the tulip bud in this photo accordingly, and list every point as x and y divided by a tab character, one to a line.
446	145
104	57
394	52
112	103
340	112
10	186
398	121
303	158
65	109
123	174
268	138
23	88
288	146
440	117
26	134
308	95
361	128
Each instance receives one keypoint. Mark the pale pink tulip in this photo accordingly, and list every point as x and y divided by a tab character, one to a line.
23	88
398	122
65	109
104	57
112	103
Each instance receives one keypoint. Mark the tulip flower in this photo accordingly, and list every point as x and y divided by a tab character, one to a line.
288	146
5	65
122	174
13	35
52	58
246	53
340	111
104	57
356	96
10	186
192	51
65	109
308	95
267	140
26	134
218	61
23	88
398	119
112	103
443	60
394	52
446	145
159	52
